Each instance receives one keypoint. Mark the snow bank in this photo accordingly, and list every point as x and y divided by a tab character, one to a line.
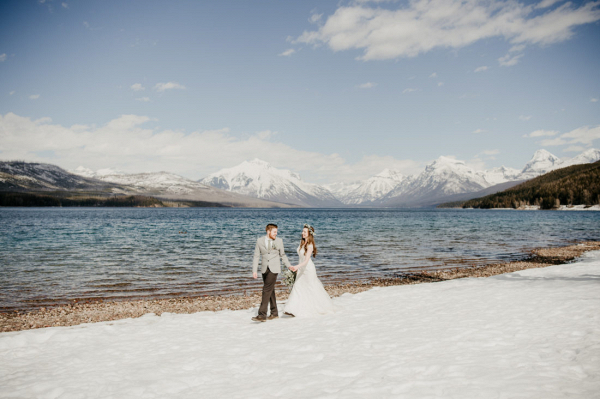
530	334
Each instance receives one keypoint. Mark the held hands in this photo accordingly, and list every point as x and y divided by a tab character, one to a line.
294	268
254	275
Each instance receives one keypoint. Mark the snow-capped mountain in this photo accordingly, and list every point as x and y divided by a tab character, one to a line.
259	179
443	177
588	156
541	162
447	177
162	182
43	176
374	188
500	174
544	162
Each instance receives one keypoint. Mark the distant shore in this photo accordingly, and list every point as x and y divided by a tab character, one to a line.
91	312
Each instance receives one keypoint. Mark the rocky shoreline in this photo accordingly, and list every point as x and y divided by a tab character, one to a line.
78	313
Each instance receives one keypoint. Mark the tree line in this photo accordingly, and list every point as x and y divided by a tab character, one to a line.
573	185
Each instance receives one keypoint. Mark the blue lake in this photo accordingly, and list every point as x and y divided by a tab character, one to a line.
53	255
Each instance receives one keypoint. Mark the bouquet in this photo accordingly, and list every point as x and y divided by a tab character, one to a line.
289	277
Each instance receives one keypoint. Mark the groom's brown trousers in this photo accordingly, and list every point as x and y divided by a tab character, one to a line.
268	294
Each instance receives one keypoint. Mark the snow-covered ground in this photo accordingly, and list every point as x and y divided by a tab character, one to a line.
529	334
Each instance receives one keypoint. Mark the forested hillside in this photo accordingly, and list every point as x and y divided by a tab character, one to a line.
574	185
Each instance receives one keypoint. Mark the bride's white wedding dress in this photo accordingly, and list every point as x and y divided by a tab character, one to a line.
308	297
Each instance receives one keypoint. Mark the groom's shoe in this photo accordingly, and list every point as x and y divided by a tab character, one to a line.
272	317
260	318
289	314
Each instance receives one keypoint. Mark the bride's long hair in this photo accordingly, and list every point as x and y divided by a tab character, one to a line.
309	240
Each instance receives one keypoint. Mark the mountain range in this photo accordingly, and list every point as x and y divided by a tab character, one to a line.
42	178
445	179
259	179
256	183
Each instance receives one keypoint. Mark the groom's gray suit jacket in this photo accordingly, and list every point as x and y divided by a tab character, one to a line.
271	259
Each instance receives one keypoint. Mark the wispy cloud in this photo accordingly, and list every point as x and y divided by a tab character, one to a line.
10	93
524	118
542	133
34	96
574	148
433	75
2	57
287	52
65	5
440	84
481	69
160	87
585	135
143	99
509	60
137	87
409	90
315	18
423	25
368	85
593	100
546	3
490	152
479	131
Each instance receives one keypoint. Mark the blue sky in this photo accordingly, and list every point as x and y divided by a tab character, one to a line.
334	90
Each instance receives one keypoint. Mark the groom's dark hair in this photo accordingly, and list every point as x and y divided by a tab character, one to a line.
271	226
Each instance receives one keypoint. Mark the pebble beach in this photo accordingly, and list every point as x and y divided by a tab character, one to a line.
99	311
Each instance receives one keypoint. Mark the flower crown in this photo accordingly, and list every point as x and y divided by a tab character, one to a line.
311	229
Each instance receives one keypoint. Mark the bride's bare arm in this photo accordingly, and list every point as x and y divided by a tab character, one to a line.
309	251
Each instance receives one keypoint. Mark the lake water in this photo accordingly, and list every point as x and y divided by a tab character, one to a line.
50	256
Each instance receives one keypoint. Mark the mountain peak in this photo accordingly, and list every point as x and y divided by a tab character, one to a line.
543	154
257	178
389	173
260	162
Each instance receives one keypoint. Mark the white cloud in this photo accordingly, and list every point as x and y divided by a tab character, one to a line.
131	143
314	18
143	99
491	152
593	100
546	3
553	142
34	96
65	5
137	87
423	25
440	83
433	75
368	85
525	118
542	133
10	93
160	87
479	131
585	135
86	24
266	134
287	52
409	90
574	148
3	57
509	60
517	48
481	69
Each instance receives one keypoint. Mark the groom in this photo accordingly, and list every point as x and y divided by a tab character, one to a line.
269	248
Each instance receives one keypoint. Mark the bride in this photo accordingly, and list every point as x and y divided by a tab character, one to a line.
308	297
